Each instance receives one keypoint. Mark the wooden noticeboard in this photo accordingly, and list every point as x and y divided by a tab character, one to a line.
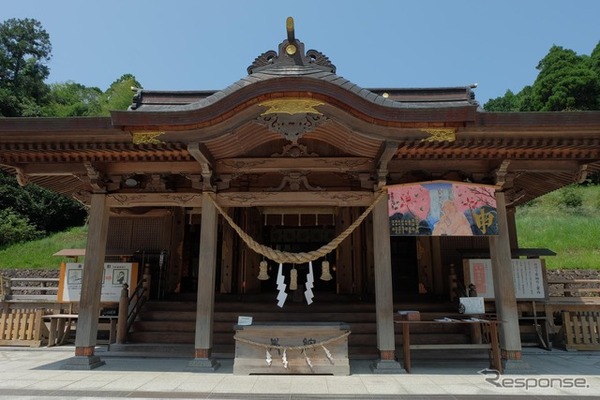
529	276
115	275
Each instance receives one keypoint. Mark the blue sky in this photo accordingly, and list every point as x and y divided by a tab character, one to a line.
195	45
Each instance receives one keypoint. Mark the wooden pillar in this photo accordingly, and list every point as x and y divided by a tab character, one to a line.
344	267
511	218
384	302
504	288
175	266
227	249
437	267
206	288
91	287
425	261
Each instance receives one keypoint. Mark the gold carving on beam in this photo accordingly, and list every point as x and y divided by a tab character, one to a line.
245	199
242	166
440	134
147	137
291	106
155	199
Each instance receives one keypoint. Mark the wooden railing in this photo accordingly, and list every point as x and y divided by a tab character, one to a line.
29	289
131	305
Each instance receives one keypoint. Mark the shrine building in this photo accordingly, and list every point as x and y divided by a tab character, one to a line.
294	195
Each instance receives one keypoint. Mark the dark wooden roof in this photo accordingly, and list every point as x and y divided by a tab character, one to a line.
351	137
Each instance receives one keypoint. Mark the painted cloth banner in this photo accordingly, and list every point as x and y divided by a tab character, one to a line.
442	208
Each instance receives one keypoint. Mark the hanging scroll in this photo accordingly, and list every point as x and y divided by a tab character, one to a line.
442	208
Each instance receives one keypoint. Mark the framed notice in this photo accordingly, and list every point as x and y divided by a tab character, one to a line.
529	276
114	277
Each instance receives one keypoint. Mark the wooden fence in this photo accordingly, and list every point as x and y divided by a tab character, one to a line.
23	328
582	330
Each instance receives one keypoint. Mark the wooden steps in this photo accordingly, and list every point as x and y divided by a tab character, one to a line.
172	323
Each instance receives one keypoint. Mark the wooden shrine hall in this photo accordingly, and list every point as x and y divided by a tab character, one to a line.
275	188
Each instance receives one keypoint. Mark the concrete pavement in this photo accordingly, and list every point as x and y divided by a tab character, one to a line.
36	374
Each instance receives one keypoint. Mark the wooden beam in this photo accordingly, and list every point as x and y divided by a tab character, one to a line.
201	154
189	199
297	199
314	164
386	153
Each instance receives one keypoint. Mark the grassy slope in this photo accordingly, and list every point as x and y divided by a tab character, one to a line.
574	234
38	253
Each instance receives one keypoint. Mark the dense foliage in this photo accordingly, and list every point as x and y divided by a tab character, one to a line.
31	212
24	50
565	82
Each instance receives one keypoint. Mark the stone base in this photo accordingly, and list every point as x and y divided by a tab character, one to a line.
387	367
83	363
516	367
203	365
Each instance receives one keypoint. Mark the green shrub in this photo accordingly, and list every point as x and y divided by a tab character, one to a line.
14	228
571	198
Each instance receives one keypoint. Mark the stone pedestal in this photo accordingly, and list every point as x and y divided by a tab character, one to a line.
83	363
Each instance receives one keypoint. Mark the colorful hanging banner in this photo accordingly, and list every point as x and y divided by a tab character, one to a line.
442	208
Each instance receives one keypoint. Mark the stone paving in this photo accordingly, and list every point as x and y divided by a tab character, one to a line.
37	374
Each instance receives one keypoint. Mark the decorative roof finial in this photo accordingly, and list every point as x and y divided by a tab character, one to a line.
291	54
289	25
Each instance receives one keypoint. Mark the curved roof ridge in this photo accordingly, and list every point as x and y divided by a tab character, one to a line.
290	61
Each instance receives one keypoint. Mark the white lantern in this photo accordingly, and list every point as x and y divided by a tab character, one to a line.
262	272
325	274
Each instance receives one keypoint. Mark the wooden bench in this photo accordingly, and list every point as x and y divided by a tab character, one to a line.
489	338
61	326
20	289
583	286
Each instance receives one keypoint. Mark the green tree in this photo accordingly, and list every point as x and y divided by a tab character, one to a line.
508	102
119	95
24	51
72	99
45	210
15	228
566	81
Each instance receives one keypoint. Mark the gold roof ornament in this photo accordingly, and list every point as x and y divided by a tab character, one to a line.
147	137
440	134
291	106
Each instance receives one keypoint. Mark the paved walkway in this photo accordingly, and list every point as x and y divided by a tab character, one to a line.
36	374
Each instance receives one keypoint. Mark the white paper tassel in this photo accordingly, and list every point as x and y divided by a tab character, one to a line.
328	354
294	279
310	279
307	359
269	358
284	359
282	295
